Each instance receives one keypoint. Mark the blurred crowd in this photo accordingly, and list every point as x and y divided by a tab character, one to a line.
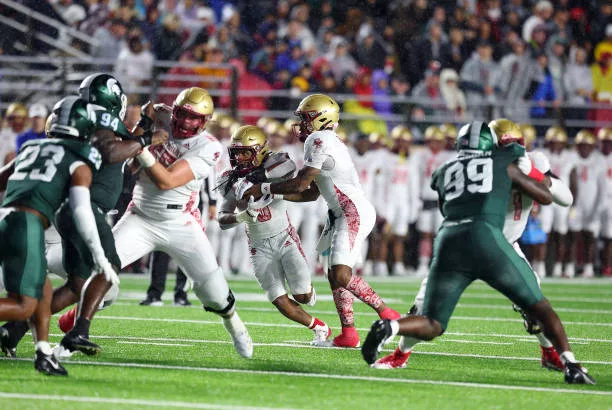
454	58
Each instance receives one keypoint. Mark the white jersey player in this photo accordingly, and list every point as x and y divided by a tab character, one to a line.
430	217
605	138
275	248
517	214
351	216
164	215
588	207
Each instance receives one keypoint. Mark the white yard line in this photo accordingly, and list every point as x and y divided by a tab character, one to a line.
137	402
152	343
344	377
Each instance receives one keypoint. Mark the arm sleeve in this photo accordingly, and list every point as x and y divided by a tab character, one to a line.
315	151
228	206
84	220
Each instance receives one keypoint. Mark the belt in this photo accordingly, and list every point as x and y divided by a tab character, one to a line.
174	206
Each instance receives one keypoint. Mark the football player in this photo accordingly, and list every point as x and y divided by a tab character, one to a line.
351	216
44	174
275	248
555	218
430	217
475	191
517	214
164	213
402	194
605	139
585	219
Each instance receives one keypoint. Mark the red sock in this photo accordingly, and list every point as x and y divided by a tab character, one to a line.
316	322
360	288
425	248
344	305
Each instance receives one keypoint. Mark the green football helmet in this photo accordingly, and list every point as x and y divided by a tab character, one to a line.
74	118
476	136
104	90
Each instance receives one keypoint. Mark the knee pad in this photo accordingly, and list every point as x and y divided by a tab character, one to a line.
231	301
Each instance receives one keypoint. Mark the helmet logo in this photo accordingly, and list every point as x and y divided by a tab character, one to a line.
113	86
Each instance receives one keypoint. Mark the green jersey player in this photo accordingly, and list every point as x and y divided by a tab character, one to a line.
474	190
44	174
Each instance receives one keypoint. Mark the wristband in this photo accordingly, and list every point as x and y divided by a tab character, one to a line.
536	174
146	159
278	196
146	138
265	188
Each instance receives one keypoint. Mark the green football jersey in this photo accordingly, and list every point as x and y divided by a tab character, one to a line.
108	183
476	184
41	179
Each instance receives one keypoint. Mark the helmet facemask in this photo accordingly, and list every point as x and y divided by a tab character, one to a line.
187	123
244	159
304	127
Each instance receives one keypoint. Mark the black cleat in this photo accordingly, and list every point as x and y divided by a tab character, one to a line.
74	342
379	334
9	349
181	301
151	301
576	374
48	364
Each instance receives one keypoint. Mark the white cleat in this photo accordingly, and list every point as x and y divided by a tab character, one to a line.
399	269
588	271
380	269
321	336
61	353
557	270
570	270
240	335
422	271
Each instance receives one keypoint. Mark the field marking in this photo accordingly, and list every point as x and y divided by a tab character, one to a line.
306	344
152	343
139	402
342	377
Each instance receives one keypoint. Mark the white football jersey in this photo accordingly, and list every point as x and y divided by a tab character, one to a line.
428	162
561	164
201	153
590	176
378	164
367	167
338	181
608	180
402	183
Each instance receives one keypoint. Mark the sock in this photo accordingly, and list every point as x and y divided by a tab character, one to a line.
17	330
344	305
543	340
43	346
316	322
81	327
567	357
233	323
360	288
406	343
425	249
394	327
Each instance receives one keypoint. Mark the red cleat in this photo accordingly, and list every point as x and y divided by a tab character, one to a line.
395	360
66	321
551	359
348	338
390	314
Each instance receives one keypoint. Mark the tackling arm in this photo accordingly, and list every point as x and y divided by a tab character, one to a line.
300	183
537	190
310	194
176	175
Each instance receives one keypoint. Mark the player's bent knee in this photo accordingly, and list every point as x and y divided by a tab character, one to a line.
222	309
27	307
303	298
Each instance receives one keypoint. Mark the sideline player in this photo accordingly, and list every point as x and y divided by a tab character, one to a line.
475	190
350	216
605	139
275	248
45	173
517	214
164	215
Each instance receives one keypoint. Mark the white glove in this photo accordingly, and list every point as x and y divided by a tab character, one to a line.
525	165
241	187
262	202
247	216
540	161
103	265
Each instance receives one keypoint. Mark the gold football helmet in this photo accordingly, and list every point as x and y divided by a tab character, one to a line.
529	133
555	134
401	132
248	148
434	133
263	121
604	134
191	111
316	112
507	132
585	137
16	110
449	130
376	138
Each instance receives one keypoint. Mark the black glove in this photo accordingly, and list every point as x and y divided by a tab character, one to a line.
146	138
257	176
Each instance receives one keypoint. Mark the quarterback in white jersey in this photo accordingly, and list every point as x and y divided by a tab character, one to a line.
605	138
516	220
589	205
275	248
351	216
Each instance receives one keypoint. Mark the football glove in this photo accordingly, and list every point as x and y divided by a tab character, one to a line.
262	202
241	187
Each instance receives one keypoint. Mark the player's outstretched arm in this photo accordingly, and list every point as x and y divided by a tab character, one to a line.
176	175
311	194
537	190
300	183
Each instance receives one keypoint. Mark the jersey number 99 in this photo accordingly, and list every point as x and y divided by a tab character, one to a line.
479	178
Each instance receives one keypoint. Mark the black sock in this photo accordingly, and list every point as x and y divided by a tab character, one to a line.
17	330
81	327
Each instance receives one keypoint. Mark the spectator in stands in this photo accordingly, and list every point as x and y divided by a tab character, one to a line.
110	40
134	66
543	11
518	7
213	74
97	14
150	25
560	25
557	59
343	61
292	59
455	55
427	49
237	34
381	91
577	79
324	40
516	72
263	61
38	117
599	21
363	88
71	13
452	95
602	76
478	77
538	40
169	39
226	43
16	116
544	93
427	94
370	53
400	88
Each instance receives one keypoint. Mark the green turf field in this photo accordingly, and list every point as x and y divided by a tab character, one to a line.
176	357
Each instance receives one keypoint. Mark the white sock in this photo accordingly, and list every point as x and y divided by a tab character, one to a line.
543	340
406	343
44	347
567	357
233	323
394	327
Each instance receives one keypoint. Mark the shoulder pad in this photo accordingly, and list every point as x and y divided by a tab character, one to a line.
279	166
